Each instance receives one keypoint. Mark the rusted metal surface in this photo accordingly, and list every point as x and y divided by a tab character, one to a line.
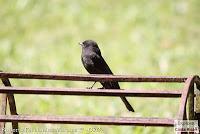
197	81
3	104
183	93
11	98
89	120
197	102
191	103
12	105
3	110
197	98
182	109
93	92
94	77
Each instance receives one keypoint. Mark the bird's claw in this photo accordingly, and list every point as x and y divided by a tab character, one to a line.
89	87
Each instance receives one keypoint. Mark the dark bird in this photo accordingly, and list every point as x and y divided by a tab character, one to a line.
94	63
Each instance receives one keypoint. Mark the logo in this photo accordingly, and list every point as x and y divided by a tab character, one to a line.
186	126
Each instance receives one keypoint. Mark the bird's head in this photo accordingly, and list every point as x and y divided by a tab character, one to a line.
88	44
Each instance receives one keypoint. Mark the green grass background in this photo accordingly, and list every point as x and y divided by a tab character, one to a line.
139	37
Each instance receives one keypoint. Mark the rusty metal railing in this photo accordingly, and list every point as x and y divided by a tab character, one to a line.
186	94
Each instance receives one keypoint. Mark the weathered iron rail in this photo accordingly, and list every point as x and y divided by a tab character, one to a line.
99	77
89	120
93	92
186	94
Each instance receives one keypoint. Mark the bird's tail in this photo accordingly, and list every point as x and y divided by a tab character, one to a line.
128	105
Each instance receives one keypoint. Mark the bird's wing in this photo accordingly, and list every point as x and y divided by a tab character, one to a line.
100	65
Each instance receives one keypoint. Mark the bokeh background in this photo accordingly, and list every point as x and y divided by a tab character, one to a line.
138	37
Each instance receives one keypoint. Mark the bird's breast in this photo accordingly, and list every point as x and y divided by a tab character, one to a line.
87	61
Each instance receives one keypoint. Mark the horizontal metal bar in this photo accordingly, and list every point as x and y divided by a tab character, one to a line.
92	92
94	77
89	120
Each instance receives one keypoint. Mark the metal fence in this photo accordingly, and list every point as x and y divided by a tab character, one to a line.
186	95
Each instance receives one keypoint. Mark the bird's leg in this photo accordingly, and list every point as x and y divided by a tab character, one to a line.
91	86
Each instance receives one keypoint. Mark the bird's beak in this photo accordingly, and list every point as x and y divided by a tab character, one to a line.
80	43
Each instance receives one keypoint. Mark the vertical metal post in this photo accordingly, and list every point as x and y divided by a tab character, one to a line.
3	111
191	103
12	105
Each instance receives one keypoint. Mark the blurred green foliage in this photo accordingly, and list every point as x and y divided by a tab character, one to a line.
139	37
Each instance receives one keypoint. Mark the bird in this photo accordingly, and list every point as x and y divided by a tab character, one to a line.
94	63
